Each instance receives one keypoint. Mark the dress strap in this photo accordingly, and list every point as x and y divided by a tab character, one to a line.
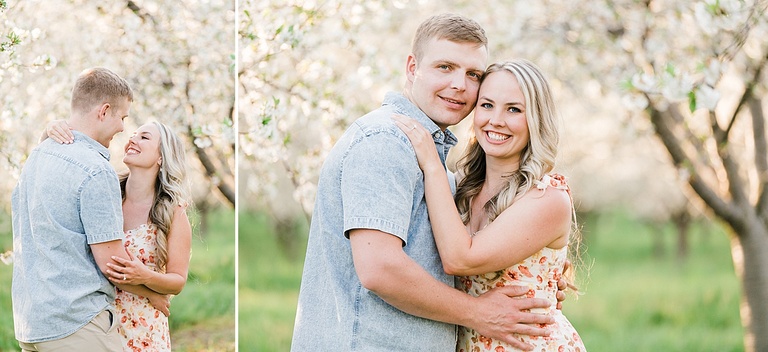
554	180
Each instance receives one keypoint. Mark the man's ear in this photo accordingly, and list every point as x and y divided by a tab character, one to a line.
410	68
103	111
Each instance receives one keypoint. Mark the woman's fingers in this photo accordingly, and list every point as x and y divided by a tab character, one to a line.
60	132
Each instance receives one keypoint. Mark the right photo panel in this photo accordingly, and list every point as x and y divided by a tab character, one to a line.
504	176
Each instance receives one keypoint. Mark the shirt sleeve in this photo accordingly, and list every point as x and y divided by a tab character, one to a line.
101	208
378	181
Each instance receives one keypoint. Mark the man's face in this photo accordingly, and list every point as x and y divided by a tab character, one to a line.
445	81
115	120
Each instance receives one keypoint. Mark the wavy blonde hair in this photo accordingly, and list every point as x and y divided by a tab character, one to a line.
171	188
537	159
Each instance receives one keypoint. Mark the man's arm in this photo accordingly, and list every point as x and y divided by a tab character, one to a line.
385	269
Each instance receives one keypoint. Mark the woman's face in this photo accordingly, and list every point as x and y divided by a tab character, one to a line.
143	148
500	124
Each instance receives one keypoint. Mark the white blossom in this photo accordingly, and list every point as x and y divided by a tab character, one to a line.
707	97
7	257
634	102
203	143
644	82
676	88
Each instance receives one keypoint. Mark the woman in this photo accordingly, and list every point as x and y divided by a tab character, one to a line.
512	221
157	231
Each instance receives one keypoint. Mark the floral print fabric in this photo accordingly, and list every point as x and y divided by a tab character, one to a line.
141	326
540	272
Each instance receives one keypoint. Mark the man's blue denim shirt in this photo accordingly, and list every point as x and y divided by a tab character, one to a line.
67	198
370	180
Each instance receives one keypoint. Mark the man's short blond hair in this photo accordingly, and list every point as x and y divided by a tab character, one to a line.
96	86
455	28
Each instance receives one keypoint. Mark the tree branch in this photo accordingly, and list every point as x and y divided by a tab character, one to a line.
749	91
211	171
702	157
139	11
723	209
761	155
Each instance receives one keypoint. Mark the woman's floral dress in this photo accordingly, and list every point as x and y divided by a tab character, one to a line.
141	326
540	272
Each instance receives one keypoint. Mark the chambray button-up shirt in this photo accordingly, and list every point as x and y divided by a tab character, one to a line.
67	198
370	180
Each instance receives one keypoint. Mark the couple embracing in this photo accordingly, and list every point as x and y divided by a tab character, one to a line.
97	255
393	231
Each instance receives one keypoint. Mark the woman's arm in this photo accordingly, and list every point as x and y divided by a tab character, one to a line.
159	301
177	265
533	222
114	249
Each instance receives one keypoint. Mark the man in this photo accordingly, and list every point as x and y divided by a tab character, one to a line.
373	280
67	224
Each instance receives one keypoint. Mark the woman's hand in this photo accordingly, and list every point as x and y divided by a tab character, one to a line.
129	272
59	131
422	142
161	302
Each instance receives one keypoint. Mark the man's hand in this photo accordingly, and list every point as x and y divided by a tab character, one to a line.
501	314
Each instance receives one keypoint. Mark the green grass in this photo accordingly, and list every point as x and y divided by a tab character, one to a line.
202	316
632	301
657	304
268	288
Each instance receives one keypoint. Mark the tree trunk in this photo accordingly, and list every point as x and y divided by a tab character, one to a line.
682	222
749	249
657	239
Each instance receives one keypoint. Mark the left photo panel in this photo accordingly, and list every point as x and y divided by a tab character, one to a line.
117	195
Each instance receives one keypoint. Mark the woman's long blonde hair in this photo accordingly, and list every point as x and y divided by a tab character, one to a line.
171	188
537	159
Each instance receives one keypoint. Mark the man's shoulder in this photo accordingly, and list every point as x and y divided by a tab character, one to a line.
78	153
377	119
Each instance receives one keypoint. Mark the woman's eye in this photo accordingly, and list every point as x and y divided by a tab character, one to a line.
486	105
514	110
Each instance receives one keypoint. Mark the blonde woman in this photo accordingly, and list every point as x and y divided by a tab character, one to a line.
512	220
157	232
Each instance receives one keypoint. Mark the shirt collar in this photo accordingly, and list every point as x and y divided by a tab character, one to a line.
92	143
404	106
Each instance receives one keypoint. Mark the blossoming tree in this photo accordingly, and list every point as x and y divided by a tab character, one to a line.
178	57
695	72
680	80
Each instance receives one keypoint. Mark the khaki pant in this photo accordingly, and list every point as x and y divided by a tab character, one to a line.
100	334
